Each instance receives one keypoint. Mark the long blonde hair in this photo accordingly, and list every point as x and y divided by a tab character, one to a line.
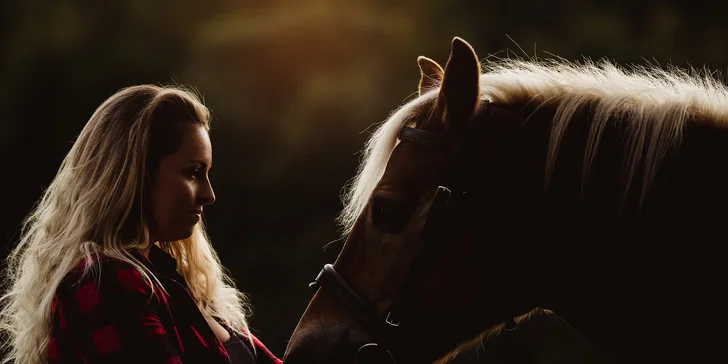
95	207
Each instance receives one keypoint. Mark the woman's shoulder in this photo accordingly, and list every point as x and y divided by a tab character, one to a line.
104	274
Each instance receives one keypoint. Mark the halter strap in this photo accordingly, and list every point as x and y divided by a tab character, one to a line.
423	137
428	138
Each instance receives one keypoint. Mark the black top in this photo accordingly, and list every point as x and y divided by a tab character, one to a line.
238	349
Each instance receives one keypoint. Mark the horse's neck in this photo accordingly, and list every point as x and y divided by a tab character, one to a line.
627	279
638	285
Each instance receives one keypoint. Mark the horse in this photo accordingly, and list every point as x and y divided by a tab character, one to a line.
589	189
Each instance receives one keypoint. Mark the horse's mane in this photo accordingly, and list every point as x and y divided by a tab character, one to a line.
477	344
654	102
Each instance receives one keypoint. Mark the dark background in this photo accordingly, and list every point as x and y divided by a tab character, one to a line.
294	87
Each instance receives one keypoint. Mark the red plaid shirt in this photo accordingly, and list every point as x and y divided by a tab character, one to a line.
115	318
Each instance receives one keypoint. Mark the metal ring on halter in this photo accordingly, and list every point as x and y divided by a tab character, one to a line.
373	353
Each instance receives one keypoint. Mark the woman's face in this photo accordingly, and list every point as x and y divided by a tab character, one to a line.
181	187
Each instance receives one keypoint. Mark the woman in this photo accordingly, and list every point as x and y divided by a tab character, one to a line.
113	264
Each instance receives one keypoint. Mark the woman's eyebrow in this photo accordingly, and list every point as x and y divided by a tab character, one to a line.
197	161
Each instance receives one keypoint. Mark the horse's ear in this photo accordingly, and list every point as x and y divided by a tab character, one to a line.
430	74
460	88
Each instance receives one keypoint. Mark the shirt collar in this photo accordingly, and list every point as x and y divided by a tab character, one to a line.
159	261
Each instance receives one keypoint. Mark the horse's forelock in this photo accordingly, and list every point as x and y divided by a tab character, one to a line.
375	155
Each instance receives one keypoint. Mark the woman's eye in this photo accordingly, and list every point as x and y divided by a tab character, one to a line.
389	215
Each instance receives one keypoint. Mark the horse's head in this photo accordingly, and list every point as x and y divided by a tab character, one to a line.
418	236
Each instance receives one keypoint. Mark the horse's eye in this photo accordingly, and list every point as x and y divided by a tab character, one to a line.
389	215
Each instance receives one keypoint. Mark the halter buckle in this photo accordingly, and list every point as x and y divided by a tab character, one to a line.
390	321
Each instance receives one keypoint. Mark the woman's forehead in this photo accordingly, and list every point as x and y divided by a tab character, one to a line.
195	145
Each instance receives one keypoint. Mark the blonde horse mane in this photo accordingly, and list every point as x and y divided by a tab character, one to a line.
654	103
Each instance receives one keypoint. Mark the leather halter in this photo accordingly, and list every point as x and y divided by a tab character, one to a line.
381	325
419	136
